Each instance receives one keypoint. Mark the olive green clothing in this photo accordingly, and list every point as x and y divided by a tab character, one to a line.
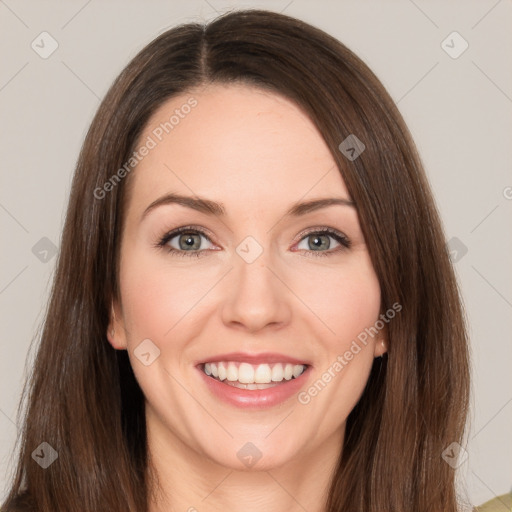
499	504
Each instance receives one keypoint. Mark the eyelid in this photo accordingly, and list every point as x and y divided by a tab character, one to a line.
321	230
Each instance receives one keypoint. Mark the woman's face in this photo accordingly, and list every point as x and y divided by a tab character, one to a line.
261	292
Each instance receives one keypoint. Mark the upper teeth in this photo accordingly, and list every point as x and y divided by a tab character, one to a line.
253	373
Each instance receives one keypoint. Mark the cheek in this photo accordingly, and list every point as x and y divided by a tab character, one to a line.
157	295
348	305
345	299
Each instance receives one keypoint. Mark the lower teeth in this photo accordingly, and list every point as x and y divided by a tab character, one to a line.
254	385
237	384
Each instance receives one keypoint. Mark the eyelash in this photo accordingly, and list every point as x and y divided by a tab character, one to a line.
345	243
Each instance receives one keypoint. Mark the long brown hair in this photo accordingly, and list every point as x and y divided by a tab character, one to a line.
82	397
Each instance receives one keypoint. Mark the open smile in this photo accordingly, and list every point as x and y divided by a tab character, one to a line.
247	384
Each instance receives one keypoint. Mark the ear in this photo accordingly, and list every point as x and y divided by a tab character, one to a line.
116	333
381	347
381	343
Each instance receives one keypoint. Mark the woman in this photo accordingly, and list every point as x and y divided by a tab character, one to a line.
253	307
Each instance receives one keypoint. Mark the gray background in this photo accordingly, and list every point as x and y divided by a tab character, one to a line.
458	109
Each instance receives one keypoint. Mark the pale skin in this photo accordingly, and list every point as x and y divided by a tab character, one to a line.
258	154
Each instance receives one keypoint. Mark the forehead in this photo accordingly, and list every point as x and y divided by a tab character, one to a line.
236	144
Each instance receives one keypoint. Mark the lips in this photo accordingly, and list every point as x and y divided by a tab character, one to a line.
254	380
263	357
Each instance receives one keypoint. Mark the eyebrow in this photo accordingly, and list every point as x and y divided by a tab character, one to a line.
209	207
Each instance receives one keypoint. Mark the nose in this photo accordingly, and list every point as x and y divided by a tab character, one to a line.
255	295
